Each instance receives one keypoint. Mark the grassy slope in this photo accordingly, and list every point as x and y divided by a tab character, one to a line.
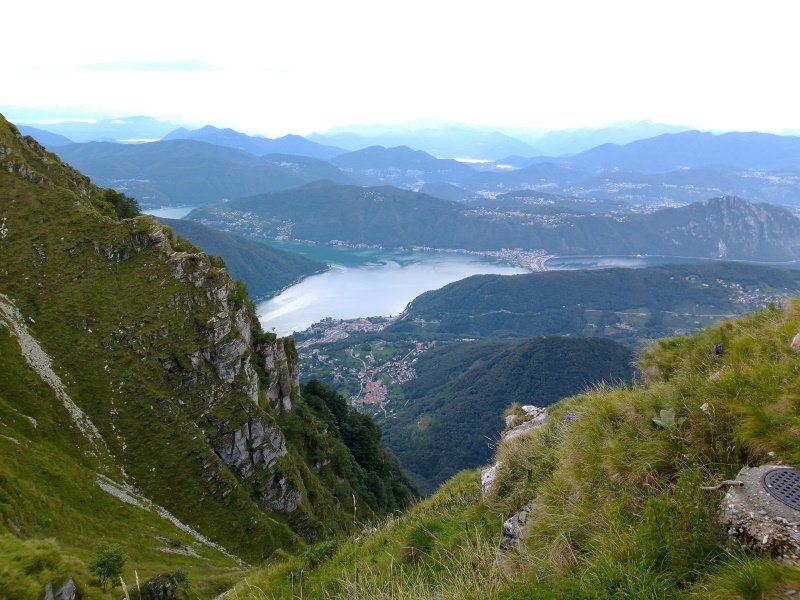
52	463
618	512
107	306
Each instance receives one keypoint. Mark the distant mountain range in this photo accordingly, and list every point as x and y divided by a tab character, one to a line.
571	141
107	129
669	169
452	140
401	167
190	172
288	144
45	138
445	141
726	227
693	149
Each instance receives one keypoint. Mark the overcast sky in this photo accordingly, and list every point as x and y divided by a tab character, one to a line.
297	66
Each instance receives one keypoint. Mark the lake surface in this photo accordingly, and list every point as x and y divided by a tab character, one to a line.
169	212
372	282
641	261
369	283
557	263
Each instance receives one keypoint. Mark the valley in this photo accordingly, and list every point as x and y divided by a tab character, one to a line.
416	322
381	301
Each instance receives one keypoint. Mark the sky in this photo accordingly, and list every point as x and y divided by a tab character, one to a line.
299	66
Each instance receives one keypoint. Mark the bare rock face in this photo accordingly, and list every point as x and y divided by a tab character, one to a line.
796	343
162	587
534	417
753	516
286	380
515	529
488	477
255	445
250	444
531	418
283	497
68	591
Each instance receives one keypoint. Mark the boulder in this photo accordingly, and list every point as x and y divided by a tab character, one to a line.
68	591
515	529
796	343
162	587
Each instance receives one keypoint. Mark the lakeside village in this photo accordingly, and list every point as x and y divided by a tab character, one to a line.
372	373
369	373
371	370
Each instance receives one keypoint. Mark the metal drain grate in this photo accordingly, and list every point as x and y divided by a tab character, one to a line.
784	486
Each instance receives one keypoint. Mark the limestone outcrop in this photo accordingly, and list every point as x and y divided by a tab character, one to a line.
527	418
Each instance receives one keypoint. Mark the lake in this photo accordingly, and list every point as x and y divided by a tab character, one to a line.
372	282
367	283
169	212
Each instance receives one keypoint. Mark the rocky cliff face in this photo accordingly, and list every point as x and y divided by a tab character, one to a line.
729	227
163	353
248	441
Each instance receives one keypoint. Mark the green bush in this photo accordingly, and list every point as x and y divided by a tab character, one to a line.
124	206
319	553
107	564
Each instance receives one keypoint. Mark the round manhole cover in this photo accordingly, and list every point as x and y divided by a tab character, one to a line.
784	486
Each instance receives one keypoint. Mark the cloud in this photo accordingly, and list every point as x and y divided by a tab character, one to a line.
190	65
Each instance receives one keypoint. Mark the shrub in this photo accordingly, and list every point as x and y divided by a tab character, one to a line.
319	553
107	564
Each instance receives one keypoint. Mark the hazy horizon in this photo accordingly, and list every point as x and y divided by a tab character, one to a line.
310	66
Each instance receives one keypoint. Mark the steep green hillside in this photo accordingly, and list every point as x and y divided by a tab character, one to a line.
140	402
726	227
616	505
264	269
462	389
626	304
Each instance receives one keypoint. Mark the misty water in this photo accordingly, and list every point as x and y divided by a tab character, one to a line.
169	212
377	282
369	283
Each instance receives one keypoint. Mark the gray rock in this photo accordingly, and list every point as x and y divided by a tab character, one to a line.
288	499
796	343
488	477
570	417
535	417
515	530
161	587
287	375
255	446
68	591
